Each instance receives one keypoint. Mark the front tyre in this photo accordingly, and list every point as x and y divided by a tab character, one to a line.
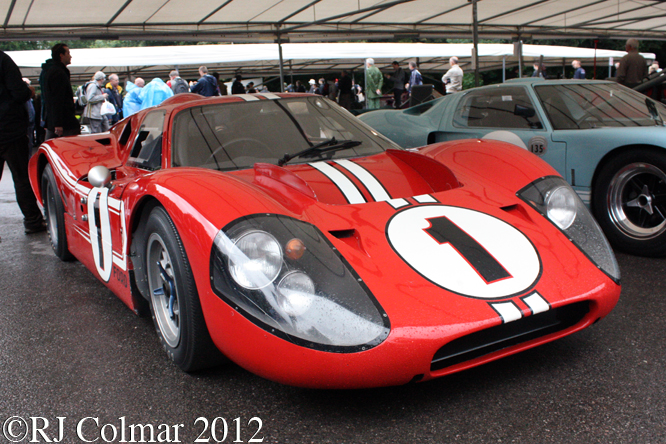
629	202
54	213
174	300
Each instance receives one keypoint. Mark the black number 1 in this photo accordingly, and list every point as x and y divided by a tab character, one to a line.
444	231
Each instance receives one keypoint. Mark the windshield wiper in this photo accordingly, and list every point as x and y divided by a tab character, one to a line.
327	145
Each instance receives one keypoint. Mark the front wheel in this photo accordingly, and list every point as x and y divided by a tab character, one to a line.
629	202
174	299
54	213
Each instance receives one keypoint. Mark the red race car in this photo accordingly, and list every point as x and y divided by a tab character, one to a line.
279	231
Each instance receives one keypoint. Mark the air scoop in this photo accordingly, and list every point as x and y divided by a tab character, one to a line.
437	175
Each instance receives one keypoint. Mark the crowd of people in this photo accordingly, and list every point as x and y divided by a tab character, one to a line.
350	94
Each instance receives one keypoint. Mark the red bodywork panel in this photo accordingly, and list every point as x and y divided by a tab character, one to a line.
473	178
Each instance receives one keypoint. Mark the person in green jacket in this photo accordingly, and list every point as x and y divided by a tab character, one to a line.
374	80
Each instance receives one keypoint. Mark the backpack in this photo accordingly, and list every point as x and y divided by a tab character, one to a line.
179	86
81	99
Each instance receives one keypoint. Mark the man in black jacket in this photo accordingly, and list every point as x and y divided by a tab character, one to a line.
399	79
345	87
14	150
237	87
57	94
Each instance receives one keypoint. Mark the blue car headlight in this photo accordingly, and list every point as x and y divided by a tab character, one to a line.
558	202
284	275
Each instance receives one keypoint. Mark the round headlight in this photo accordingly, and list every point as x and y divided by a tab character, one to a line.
259	260
561	207
296	290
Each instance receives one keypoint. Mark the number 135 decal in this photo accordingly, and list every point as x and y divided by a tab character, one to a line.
465	251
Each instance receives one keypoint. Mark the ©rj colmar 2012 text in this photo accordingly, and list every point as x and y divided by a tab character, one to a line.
91	429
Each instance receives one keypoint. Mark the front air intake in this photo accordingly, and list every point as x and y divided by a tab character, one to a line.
506	335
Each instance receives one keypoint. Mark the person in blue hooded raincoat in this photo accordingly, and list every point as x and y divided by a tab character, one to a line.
132	101
154	93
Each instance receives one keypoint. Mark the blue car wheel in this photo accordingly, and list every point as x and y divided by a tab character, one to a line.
630	202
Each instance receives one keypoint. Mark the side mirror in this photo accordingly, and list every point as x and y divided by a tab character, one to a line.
524	111
99	176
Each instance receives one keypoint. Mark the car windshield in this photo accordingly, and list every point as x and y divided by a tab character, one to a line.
229	136
583	106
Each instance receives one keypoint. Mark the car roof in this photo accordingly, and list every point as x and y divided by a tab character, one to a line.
535	80
186	100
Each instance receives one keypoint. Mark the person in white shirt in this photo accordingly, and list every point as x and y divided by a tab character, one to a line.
453	78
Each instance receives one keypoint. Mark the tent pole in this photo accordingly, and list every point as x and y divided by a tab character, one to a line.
520	59
475	60
279	42
291	72
503	69
365	82
595	59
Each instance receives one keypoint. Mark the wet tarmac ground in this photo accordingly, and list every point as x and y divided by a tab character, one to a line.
74	355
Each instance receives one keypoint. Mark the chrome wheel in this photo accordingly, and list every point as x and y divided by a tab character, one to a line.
637	200
162	285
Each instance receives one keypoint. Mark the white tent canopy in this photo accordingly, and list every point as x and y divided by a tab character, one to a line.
328	20
300	58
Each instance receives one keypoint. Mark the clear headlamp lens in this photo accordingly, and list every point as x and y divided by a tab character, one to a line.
258	262
296	290
561	207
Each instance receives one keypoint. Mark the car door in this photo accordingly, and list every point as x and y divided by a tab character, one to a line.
508	113
591	119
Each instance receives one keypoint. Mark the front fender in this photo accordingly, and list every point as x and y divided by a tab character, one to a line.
497	165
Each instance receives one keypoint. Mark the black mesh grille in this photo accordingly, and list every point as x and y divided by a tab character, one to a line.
506	335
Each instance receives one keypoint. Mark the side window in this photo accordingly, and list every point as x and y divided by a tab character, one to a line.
505	107
147	149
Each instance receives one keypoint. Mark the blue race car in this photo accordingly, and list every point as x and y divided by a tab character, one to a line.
606	140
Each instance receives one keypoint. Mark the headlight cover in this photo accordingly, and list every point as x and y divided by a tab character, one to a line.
312	298
558	202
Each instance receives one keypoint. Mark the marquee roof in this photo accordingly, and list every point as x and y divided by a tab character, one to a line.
328	20
300	58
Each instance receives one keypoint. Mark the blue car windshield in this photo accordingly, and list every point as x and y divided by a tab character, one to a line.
595	105
236	135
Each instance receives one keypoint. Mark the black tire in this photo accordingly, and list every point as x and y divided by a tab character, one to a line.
174	301
629	202
54	213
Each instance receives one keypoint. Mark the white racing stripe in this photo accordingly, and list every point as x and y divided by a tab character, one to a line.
367	179
398	203
425	198
346	186
536	302
247	97
508	311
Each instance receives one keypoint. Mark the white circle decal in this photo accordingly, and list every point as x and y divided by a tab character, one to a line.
506	136
465	251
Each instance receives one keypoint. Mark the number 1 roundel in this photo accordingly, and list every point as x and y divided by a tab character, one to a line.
465	251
